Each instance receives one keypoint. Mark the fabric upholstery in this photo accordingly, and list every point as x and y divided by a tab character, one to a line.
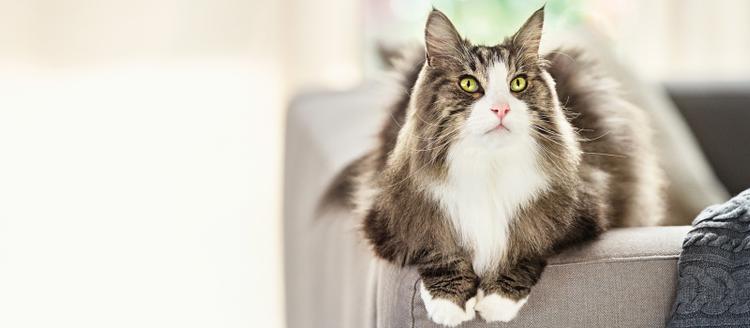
583	287
326	265
710	106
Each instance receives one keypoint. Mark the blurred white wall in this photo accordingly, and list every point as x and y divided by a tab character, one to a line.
659	40
140	157
672	40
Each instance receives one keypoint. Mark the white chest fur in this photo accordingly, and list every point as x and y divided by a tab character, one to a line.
483	193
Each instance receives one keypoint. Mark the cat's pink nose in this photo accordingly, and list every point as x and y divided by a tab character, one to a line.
500	110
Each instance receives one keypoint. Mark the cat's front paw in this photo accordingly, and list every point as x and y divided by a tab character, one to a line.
446	312
496	307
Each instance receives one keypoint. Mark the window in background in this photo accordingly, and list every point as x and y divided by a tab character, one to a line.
399	22
660	40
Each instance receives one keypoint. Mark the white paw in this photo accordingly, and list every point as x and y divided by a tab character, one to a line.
495	307
445	312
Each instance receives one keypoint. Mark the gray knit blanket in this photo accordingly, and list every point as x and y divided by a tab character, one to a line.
714	268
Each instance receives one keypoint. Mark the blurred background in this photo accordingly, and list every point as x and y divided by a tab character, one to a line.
142	142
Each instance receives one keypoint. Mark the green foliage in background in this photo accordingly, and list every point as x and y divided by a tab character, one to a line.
482	21
487	21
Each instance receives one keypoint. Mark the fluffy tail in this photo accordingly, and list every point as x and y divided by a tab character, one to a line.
340	193
351	188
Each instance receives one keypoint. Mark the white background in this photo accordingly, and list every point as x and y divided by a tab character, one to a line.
141	155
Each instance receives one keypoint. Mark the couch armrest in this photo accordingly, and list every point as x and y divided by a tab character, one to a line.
626	278
326	263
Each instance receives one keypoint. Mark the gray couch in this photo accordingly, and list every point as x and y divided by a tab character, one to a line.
624	279
718	114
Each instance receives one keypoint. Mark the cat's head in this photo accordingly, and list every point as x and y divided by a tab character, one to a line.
488	98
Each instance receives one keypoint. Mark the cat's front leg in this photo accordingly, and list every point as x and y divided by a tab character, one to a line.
448	288
502	294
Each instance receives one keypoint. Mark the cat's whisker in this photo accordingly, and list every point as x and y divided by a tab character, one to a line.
605	154
595	138
550	140
539	131
433	147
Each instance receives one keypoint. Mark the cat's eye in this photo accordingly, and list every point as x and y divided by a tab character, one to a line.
518	84
469	84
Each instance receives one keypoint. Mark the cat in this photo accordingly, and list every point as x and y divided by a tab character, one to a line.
496	158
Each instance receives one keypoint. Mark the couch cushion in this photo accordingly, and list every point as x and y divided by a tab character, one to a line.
627	278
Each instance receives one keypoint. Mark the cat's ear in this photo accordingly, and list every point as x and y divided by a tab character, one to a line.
442	41
529	35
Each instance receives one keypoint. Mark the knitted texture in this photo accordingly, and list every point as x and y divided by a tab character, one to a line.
714	268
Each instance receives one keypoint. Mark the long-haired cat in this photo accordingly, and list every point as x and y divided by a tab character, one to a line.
497	158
